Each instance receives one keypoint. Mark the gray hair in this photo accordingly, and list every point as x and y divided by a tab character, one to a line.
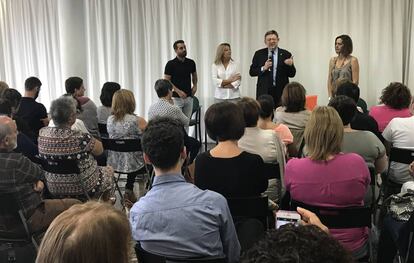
62	109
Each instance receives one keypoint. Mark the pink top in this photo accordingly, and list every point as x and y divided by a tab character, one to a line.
340	182
284	133
383	114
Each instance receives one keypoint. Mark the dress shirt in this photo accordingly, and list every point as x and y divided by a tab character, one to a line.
163	108
274	64
219	73
177	219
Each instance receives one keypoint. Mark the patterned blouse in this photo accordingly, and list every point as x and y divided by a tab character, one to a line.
64	143
127	128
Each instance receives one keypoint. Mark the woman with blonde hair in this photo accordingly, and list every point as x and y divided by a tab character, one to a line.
87	233
124	124
226	75
328	177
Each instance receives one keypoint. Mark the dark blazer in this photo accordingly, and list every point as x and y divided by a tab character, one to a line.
264	79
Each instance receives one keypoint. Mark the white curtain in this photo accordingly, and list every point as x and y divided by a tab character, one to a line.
130	41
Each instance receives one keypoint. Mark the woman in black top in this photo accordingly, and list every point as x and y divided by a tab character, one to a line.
227	169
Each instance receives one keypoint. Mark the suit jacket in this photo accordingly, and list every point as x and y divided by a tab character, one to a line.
265	79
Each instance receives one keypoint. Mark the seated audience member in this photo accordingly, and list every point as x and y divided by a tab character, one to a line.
87	108
87	233
293	113
265	143
265	122
30	111
328	177
304	244
400	133
226	168
107	92
361	121
364	143
395	101
24	144
61	142
23	179
124	124
164	107
175	218
3	87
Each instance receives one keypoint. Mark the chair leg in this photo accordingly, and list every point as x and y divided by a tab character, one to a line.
119	189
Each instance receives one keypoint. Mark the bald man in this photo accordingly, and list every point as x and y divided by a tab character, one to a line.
24	180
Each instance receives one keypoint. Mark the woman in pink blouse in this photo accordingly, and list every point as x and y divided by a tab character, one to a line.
395	101
328	177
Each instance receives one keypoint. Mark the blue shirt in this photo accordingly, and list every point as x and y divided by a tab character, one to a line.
177	219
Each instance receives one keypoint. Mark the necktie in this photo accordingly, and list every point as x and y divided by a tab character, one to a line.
273	68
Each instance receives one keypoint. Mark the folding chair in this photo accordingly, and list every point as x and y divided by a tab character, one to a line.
16	239
196	120
147	257
347	217
249	207
122	145
66	166
103	130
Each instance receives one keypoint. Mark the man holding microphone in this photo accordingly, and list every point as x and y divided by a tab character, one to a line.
273	67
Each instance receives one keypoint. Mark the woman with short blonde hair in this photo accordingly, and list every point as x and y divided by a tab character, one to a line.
124	124
87	233
328	177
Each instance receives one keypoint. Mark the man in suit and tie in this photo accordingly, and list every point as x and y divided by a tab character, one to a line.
273	67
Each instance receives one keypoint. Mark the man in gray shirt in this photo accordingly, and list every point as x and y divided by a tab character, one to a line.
176	219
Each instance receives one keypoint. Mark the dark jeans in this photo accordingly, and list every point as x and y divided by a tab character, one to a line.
131	178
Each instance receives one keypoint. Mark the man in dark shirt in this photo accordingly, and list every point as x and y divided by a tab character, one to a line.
32	112
361	121
181	71
22	178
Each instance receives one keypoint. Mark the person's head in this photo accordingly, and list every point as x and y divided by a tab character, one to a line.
14	97
5	107
349	89
32	86
294	244
343	45
3	87
396	95
251	109
87	233
63	111
223	53
271	39
224	121
323	133
163	88
74	86
180	48
107	92
163	143
294	97
8	134
267	106
123	102
345	106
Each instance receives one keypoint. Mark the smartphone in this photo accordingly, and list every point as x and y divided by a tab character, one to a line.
287	217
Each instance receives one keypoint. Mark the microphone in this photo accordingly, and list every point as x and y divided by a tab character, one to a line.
270	56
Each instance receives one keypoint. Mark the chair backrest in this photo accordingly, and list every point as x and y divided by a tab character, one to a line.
249	207
61	166
297	137
196	104
272	170
102	128
122	145
14	224
401	155
333	217
147	257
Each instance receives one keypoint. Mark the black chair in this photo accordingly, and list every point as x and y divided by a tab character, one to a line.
17	243
147	257
66	166
400	155
249	207
103	130
196	118
122	145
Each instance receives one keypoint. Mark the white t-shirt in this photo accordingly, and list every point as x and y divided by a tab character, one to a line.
400	132
219	73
